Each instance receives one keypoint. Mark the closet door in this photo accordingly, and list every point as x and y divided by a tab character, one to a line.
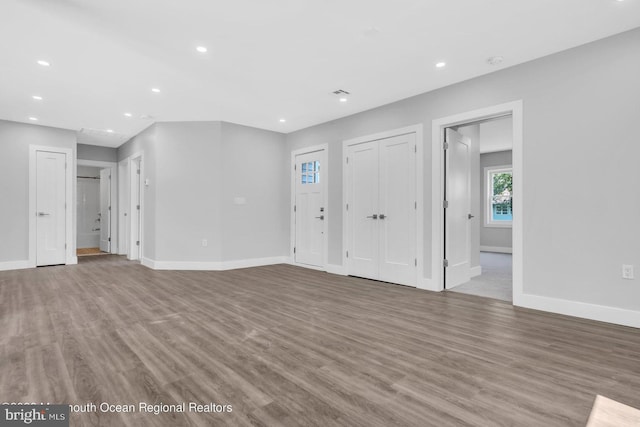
397	210
362	194
381	215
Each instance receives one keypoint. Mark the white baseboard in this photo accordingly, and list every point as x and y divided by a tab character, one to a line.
14	265
213	265
497	249
73	261
583	310
336	269
476	271
428	285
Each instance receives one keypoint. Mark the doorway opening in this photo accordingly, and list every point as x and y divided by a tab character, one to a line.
97	207
469	199
490	209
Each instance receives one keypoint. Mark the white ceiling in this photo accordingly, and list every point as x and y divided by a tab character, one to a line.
266	60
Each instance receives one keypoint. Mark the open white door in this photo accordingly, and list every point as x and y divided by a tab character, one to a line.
105	210
457	212
135	227
309	208
51	200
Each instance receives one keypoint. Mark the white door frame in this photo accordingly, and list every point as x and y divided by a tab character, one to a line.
327	213
132	182
418	130
123	203
71	257
113	166
515	109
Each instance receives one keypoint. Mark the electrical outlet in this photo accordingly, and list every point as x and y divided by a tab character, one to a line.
204	243
627	271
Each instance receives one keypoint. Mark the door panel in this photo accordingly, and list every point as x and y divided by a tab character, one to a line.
397	219
363	189
310	211
105	210
457	229
381	193
50	208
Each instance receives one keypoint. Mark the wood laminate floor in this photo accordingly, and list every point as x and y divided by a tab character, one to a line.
290	346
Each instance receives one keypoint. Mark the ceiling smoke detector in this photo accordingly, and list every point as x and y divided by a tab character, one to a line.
495	60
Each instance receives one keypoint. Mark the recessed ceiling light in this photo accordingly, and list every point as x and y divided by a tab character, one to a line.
343	99
155	89
43	63
201	49
128	114
34	119
495	60
37	98
283	120
441	64
109	130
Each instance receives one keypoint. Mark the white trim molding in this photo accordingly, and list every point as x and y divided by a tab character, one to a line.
515	110
213	265
336	269
497	249
14	265
476	271
583	310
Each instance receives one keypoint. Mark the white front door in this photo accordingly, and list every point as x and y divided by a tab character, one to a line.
51	199
381	214
105	210
457	225
310	212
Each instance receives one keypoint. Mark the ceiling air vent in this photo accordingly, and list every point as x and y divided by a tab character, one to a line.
340	92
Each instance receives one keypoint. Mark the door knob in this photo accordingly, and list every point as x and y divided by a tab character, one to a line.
374	216
470	216
321	217
43	214
382	216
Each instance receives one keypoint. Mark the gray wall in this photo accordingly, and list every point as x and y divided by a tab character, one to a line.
492	236
196	169
579	107
15	139
94	152
255	167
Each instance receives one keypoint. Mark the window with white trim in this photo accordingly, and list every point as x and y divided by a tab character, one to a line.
499	196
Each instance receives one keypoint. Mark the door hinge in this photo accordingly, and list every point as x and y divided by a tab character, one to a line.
415	262
109	176
138	171
109	208
446	263
347	254
445	204
138	207
294	249
347	160
295	167
415	205
445	146
108	240
294	208
65	246
415	148
347	206
137	242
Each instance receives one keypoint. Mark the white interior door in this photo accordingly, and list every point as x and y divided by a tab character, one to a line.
397	211
310	212
105	210
457	221
363	208
381	215
51	199
124	205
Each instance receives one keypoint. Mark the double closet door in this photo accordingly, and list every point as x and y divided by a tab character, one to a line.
381	209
